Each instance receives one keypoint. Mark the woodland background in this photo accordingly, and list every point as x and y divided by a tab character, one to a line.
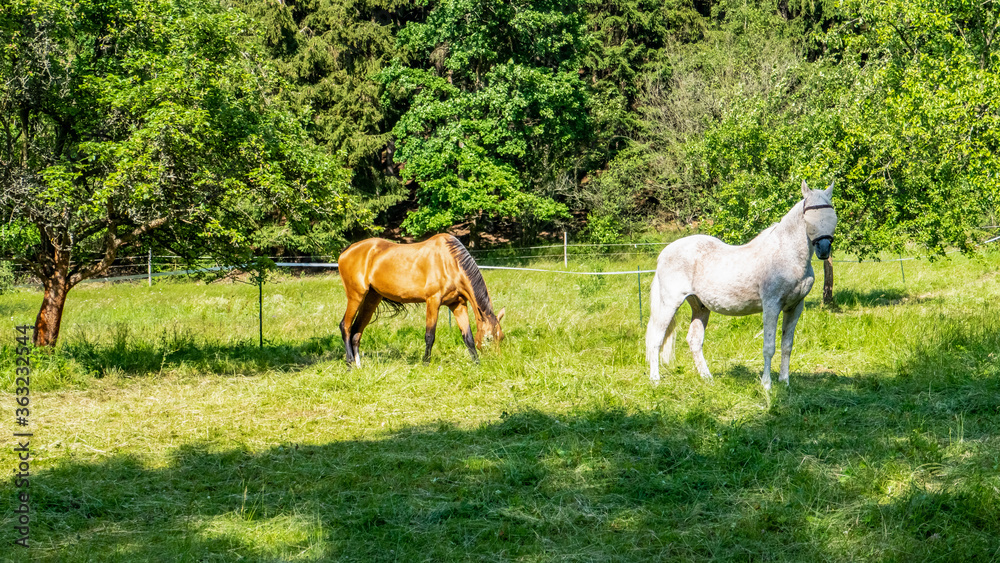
239	128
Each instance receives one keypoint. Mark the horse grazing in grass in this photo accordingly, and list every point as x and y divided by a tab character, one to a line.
438	271
770	274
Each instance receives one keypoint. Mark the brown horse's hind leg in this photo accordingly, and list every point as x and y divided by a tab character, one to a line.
353	304
433	304
462	318
365	313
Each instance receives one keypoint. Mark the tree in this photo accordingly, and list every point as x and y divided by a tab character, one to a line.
902	110
685	67
329	51
148	120
489	104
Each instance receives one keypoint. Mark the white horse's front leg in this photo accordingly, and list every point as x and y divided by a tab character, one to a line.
788	320
770	331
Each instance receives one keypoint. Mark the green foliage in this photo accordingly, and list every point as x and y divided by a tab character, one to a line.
758	156
899	113
6	277
727	53
15	236
623	112
923	143
616	198
153	116
493	99
627	47
328	51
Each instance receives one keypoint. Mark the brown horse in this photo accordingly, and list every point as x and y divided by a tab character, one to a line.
438	271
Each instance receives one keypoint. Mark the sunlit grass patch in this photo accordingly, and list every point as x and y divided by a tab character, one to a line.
280	538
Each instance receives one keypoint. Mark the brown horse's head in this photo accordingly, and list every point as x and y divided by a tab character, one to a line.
489	329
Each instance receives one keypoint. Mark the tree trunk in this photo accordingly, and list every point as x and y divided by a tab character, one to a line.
53	267
828	282
473	234
50	315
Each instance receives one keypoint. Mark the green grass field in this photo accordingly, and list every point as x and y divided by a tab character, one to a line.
162	432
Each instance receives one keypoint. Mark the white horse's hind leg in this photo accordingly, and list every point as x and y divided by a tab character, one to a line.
788	320
656	337
696	335
770	331
660	330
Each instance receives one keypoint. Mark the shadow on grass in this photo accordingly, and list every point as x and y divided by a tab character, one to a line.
133	357
174	349
741	372
854	299
886	297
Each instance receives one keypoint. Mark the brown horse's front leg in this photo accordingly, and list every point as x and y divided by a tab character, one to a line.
462	318
433	304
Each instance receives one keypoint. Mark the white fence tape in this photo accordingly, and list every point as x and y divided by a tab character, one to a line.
158	274
140	276
567	272
568	245
334	265
482	267
307	264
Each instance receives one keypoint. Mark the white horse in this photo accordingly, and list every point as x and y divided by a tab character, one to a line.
770	274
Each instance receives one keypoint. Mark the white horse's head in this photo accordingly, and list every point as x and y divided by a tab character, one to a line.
820	218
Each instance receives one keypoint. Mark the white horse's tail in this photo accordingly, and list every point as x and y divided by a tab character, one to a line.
660	333
667	350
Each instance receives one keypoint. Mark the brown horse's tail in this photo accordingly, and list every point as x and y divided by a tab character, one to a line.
394	308
468	265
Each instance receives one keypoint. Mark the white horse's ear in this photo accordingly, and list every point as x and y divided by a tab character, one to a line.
829	191
805	189
500	314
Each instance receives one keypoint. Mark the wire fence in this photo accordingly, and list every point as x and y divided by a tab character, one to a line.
139	267
136	268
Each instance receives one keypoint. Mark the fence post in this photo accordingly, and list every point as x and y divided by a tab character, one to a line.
565	256
828	282
260	309
901	272
149	268
638	282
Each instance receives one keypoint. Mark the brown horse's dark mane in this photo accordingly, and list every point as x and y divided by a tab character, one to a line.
468	265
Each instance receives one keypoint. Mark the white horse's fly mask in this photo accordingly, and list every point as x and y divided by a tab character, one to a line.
820	229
